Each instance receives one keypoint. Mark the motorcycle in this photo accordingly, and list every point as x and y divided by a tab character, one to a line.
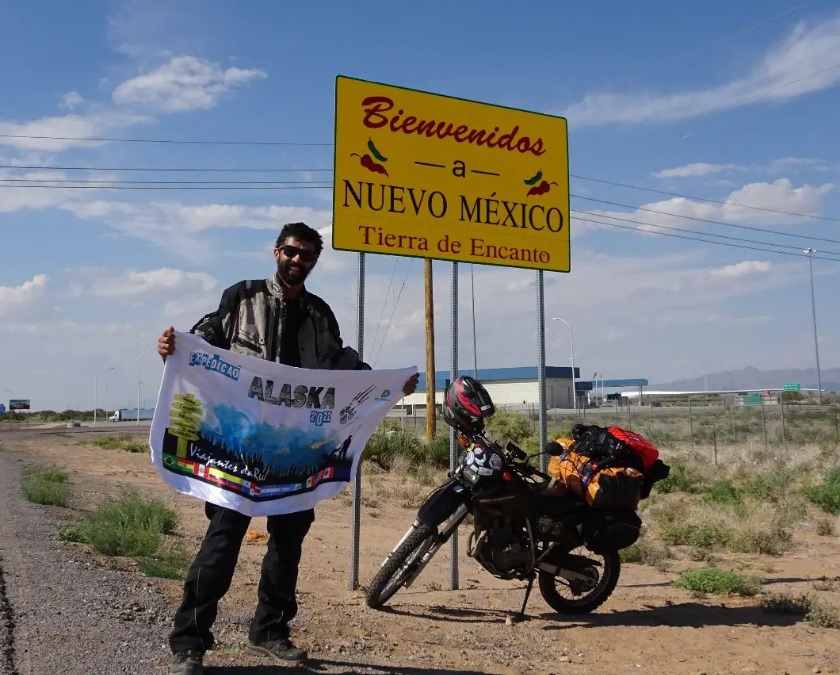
521	531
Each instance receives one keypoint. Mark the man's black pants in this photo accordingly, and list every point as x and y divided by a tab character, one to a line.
211	574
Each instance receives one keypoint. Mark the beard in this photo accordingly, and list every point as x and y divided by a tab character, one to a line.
292	273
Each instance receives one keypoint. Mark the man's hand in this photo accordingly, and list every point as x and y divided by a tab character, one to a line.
411	384
166	343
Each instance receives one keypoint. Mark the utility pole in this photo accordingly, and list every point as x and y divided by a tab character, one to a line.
430	351
810	252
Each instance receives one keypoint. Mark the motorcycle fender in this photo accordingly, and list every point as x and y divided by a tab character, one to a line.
442	503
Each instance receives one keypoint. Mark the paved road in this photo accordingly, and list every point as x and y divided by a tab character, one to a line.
59	612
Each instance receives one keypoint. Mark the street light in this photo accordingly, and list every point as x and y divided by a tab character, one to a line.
140	358
809	252
571	358
95	391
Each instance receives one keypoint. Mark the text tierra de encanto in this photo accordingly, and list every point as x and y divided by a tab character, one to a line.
378	114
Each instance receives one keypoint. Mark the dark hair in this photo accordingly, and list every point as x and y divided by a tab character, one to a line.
303	232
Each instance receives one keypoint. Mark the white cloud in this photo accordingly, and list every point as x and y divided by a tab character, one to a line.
742	269
792	69
783	164
15	298
678	211
51	134
173	225
183	83
780	195
71	100
697	169
132	284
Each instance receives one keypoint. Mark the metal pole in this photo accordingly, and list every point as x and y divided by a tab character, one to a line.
453	445
571	358
140	358
541	349
810	252
691	423
357	483
95	390
475	339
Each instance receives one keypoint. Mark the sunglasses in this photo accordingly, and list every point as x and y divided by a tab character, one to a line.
305	254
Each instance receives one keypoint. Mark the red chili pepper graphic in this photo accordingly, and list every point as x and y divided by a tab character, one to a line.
367	162
541	189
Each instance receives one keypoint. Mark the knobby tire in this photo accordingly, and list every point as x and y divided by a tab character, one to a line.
392	574
589	601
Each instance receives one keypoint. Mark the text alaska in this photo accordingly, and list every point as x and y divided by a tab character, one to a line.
300	396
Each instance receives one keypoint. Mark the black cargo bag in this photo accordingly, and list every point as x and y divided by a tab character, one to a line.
605	531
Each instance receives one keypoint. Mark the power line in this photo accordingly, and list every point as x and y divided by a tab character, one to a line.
723	38
162	140
706	220
106	181
704	234
705	241
384	303
286	170
159	169
169	187
704	199
393	310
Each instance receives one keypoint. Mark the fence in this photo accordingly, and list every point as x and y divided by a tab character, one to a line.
775	426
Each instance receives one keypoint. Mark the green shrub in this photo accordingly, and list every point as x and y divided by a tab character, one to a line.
45	486
826	495
770	486
681	478
131	526
724	493
701	535
136	447
717	581
509	426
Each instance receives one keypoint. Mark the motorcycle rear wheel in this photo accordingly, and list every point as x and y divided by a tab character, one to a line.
589	600
402	562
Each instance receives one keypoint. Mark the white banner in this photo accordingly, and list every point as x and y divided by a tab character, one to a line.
259	437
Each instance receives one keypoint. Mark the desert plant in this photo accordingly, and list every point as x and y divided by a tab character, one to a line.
132	526
717	581
681	478
815	612
509	426
826	494
45	486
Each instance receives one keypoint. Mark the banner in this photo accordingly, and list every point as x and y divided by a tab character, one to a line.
259	437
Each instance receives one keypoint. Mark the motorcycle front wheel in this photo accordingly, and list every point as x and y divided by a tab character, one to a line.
582	584
400	565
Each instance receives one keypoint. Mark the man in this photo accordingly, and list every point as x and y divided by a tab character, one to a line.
276	319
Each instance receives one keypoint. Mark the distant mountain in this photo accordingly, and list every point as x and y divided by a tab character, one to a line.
753	378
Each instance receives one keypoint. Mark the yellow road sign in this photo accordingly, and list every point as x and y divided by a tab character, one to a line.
425	175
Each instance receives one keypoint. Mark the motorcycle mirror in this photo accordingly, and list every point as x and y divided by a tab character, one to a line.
554	449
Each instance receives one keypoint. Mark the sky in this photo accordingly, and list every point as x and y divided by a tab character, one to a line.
716	120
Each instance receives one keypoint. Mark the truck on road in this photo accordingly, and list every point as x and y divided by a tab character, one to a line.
132	414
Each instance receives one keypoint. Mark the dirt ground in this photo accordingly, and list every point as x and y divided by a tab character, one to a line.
647	626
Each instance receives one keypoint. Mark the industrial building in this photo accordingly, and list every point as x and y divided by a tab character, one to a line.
519	387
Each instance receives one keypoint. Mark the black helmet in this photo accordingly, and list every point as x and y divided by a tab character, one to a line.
466	404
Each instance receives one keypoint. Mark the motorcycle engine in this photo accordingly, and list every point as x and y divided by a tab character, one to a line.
502	549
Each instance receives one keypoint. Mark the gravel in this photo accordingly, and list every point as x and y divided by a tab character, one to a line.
59	611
